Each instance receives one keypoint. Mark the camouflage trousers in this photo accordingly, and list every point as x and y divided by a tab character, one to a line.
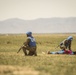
29	51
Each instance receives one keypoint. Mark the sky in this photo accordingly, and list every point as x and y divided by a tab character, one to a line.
33	9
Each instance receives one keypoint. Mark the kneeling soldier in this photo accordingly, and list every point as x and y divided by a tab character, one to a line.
30	45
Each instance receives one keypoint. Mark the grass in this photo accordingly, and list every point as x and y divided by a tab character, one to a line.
12	63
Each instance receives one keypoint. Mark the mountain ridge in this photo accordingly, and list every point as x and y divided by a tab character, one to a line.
41	25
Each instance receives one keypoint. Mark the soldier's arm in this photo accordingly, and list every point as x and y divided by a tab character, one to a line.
26	43
69	45
63	42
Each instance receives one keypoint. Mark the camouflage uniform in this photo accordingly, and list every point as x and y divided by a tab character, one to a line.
67	42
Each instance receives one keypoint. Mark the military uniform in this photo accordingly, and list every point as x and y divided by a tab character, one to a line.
67	43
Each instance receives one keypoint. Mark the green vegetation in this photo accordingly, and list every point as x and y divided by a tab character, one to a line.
12	63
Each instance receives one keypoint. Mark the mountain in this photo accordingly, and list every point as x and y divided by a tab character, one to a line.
41	25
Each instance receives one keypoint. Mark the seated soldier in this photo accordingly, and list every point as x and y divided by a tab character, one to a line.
29	47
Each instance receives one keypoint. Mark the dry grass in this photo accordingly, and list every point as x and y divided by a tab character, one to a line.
12	63
16	70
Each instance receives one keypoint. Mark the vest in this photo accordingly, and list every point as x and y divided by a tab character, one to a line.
32	42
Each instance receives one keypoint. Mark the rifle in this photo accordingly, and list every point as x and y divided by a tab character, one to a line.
19	49
57	46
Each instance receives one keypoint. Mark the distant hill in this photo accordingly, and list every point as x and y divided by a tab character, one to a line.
42	25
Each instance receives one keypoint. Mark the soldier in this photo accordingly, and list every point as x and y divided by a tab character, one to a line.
30	45
65	47
67	42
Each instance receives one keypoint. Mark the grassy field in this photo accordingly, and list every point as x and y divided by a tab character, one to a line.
12	63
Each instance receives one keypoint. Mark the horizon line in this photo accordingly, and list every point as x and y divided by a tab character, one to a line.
37	18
